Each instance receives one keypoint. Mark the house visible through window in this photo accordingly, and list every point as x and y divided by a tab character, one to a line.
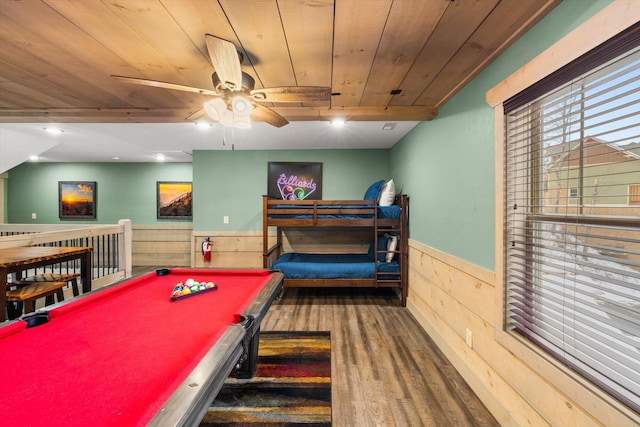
572	217
634	194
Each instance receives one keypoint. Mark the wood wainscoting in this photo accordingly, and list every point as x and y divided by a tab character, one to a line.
229	249
161	245
243	249
180	246
451	299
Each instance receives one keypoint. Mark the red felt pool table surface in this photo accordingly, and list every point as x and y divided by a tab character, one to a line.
114	356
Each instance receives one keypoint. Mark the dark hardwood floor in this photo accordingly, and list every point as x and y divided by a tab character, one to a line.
386	370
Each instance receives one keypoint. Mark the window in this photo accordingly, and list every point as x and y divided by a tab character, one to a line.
572	232
573	193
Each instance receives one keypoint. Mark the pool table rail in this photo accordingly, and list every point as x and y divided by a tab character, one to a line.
188	404
237	350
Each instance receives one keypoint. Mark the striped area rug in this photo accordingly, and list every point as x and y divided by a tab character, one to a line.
292	385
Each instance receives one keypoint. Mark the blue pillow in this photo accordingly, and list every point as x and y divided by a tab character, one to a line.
383	243
373	192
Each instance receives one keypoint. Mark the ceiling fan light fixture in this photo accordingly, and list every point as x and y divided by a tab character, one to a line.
241	108
241	123
237	114
240	105
215	109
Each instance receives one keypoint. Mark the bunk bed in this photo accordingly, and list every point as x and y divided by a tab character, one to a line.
385	263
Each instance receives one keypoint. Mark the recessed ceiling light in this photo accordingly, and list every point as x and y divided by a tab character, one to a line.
53	131
161	157
389	126
34	158
115	158
203	124
337	122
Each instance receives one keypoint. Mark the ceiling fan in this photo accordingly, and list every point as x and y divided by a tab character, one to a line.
235	101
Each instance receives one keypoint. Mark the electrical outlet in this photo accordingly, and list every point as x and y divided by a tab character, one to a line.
469	338
225	219
33	215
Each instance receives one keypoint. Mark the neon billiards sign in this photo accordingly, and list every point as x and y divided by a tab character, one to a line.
293	188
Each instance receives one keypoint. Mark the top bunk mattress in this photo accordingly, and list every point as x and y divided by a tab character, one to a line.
334	211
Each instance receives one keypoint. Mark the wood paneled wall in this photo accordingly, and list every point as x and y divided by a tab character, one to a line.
314	240
449	297
180	246
161	245
243	249
229	249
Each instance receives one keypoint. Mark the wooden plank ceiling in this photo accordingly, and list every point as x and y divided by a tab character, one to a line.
57	56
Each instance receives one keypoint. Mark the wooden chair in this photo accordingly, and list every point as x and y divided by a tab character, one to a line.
28	294
71	278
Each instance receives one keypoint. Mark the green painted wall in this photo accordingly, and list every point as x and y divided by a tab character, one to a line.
224	183
124	190
232	183
446	165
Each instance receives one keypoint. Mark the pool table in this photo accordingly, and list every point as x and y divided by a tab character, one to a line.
130	354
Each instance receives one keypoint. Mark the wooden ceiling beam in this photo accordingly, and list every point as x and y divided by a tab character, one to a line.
95	115
179	115
360	113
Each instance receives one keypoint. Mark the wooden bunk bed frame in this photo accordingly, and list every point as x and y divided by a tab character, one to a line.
277	213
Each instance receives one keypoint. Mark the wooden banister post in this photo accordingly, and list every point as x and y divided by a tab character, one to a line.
126	258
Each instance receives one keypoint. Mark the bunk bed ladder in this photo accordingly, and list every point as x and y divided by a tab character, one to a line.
386	279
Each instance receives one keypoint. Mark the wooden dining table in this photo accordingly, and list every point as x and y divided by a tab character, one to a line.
19	259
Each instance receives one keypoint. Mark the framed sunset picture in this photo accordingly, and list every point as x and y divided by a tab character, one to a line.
77	199
175	200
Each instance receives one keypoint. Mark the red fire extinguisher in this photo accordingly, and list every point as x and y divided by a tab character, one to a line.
206	249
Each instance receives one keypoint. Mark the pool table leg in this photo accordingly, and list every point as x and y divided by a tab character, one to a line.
249	360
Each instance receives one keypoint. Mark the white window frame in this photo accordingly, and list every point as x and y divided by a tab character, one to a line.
573	193
610	21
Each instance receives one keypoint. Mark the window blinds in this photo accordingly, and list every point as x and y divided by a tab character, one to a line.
572	220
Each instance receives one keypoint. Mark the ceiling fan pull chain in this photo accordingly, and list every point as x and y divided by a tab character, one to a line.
224	136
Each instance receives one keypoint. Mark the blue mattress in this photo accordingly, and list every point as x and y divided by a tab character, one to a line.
330	266
386	212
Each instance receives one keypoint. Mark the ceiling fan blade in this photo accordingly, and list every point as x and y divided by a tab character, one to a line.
292	94
224	58
261	113
165	85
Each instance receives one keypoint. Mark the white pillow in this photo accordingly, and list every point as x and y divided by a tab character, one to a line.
391	246
388	194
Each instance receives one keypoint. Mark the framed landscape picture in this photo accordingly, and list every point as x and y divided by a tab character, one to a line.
175	200
295	181
77	199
